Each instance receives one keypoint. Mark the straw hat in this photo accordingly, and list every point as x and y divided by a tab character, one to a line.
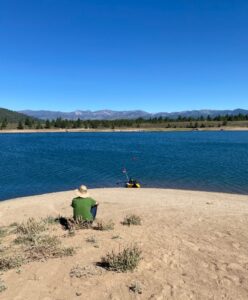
82	191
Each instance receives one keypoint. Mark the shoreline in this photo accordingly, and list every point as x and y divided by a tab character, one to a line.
51	199
81	130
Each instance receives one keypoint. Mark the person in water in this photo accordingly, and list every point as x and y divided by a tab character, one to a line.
83	205
133	182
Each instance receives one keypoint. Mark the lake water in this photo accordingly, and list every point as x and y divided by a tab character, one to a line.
48	162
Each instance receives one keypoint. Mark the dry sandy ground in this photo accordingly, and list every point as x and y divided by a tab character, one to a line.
225	128
194	246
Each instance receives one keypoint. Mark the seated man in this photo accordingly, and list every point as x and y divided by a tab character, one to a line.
84	206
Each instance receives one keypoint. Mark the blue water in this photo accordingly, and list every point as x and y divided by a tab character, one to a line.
47	162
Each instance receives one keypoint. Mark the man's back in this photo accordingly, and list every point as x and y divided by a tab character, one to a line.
82	208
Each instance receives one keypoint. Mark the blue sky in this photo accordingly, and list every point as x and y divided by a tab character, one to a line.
151	55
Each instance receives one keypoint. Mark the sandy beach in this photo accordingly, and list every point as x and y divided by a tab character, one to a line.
162	129
194	246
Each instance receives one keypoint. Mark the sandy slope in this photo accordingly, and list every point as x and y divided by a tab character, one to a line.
194	247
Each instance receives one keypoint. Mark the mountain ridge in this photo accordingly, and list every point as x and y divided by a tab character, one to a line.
127	114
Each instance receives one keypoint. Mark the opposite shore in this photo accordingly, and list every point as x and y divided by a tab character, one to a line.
224	128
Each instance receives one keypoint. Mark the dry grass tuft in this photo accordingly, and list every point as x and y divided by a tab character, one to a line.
91	239
49	220
105	226
80	223
3	232
85	271
31	227
71	224
10	262
132	220
45	247
2	286
136	287
25	239
126	260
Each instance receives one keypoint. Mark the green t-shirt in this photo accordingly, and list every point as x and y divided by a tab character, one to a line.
82	207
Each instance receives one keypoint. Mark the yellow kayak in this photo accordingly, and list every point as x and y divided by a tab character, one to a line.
132	185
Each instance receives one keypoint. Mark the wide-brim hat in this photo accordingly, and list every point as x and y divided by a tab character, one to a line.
82	192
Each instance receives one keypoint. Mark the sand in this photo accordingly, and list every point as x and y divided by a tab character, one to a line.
194	246
159	129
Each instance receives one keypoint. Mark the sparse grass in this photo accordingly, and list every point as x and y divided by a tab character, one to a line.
105	226
71	233
132	220
50	220
125	260
3	232
115	237
14	224
80	223
71	224
85	271
91	239
46	247
25	239
136	287
2	286
10	262
31	227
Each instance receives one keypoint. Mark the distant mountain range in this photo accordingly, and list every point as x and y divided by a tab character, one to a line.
132	114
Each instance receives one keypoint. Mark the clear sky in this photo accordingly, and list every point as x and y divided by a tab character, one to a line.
167	55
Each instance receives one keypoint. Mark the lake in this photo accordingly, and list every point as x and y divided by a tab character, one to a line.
37	163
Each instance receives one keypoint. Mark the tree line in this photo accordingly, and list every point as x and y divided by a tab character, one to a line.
190	122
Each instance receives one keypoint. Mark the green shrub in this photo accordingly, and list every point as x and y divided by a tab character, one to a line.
132	220
125	260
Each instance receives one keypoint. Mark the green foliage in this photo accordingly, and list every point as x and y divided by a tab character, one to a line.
20	125
11	116
126	260
132	220
4	124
